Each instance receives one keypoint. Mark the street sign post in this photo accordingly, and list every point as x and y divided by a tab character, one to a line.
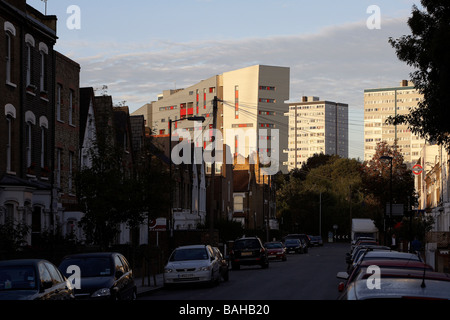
417	169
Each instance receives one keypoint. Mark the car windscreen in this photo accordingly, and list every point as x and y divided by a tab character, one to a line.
17	278
189	254
292	241
89	267
273	245
246	244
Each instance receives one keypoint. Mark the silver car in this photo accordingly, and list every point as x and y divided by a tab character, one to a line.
191	264
401	284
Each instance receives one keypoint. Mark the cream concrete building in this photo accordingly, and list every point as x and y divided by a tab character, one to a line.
381	103
251	104
316	126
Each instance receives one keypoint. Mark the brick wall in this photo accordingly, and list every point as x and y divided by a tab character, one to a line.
67	128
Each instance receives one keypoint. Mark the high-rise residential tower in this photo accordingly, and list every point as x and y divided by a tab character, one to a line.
381	103
316	126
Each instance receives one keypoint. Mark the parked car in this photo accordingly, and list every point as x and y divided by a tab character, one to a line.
293	245
384	254
192	264
223	264
401	284
350	257
358	240
33	279
103	275
299	236
316	240
276	250
382	264
249	251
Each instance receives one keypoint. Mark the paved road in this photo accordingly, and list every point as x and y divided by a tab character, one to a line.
310	276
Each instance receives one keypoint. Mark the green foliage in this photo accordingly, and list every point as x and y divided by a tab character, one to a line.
112	194
322	193
331	190
427	50
13	235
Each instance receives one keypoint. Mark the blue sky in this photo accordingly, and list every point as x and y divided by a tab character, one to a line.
140	48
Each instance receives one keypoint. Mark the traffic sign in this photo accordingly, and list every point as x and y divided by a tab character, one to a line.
417	169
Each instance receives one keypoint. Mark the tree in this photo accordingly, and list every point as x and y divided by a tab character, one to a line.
326	188
111	195
13	235
103	192
428	51
376	178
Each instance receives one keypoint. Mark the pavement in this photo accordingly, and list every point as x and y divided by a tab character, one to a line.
147	286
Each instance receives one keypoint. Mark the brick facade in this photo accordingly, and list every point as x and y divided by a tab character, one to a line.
67	126
27	72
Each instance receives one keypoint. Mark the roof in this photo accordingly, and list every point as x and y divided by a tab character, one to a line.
381	254
192	246
90	254
21	262
409	274
395	288
86	96
394	262
10	180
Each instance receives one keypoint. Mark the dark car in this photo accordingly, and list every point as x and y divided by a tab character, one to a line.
293	245
316	240
300	236
33	279
248	251
223	264
104	275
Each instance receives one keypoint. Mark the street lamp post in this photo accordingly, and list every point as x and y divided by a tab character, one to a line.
389	158
170	229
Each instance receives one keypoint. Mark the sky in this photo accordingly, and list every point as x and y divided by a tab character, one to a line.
138	48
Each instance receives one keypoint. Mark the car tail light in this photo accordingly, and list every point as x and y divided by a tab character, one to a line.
341	286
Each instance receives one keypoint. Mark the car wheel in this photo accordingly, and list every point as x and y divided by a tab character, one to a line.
235	266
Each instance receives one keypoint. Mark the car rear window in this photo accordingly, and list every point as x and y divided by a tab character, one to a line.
248	243
273	245
189	254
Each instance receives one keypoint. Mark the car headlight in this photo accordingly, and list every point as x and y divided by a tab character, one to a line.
168	270
104	292
205	268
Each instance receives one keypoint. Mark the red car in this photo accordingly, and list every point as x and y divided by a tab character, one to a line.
276	250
